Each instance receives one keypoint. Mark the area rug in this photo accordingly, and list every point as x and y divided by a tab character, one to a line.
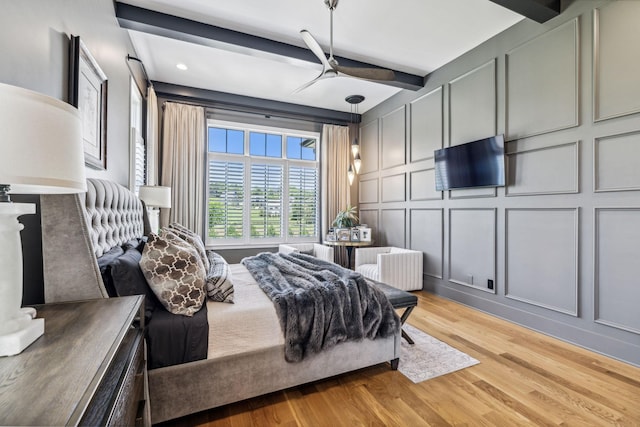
428	357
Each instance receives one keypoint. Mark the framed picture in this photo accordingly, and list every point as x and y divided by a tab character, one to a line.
331	237
355	235
343	234
365	234
88	92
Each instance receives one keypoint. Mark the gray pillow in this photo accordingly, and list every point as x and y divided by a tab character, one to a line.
219	284
175	273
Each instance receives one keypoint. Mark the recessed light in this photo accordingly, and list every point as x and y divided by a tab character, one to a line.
181	67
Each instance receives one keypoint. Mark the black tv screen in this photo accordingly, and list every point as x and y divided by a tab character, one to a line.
474	164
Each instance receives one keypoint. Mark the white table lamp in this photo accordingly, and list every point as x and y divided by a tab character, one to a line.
41	152
155	197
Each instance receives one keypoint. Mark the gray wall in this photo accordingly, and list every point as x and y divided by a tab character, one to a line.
560	241
34	45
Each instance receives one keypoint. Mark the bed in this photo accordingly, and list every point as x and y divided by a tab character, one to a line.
245	352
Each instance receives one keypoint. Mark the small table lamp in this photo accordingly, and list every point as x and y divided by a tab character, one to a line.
41	152
155	197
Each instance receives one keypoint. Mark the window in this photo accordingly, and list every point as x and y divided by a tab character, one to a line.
263	185
138	172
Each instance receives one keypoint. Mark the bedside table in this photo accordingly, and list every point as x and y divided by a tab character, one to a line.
89	367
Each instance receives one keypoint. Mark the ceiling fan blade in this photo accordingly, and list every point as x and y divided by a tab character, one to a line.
366	73
314	47
322	76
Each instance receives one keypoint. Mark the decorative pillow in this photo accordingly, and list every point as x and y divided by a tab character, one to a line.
219	285
104	263
175	273
196	241
128	279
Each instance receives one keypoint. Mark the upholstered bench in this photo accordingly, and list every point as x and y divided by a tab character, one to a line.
398	299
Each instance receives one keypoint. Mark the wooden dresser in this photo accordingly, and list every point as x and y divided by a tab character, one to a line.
88	368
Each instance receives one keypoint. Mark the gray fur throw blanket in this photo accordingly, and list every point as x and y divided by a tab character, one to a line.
320	304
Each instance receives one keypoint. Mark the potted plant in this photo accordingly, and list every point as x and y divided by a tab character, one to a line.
346	218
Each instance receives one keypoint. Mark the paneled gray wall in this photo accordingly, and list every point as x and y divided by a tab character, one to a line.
560	240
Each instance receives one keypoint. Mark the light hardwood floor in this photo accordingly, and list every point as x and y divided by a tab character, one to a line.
524	378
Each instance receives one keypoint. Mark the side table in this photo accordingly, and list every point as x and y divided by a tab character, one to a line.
349	245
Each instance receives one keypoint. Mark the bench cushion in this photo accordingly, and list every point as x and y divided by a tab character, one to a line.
397	297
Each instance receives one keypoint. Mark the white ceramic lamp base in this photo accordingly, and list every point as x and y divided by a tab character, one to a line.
154	219
18	327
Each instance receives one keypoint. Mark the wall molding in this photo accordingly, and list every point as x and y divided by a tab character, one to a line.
596	163
400	110
494	81
411	186
441	210
404	224
596	270
576	267
596	72
395	196
576	87
472	193
363	187
369	165
412	106
574	190
493	250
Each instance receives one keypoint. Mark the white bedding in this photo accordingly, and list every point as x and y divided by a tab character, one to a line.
247	325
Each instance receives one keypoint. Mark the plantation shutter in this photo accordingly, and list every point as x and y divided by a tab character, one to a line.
303	202
266	200
140	171
226	199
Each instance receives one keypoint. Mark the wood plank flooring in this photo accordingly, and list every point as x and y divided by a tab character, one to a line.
524	378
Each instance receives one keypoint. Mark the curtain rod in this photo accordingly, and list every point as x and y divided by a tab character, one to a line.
144	70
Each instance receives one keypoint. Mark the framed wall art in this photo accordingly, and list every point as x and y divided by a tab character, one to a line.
88	92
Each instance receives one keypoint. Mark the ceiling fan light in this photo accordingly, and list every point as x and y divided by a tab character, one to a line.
357	162
350	174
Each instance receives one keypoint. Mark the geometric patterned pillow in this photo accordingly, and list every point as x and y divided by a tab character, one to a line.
196	241
219	285
175	273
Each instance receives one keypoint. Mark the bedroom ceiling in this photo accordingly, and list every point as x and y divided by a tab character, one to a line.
410	36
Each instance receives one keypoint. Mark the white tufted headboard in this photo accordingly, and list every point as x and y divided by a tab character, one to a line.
77	229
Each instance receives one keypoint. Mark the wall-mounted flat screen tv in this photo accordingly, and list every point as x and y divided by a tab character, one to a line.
474	164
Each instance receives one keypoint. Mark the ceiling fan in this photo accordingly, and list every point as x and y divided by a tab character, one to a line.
330	67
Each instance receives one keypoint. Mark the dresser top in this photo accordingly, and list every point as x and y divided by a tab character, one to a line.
52	381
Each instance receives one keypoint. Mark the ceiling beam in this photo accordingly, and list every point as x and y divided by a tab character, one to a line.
161	24
537	10
249	104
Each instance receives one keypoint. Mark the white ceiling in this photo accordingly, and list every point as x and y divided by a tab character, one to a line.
413	36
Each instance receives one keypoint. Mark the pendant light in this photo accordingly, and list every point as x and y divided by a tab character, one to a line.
354	100
357	162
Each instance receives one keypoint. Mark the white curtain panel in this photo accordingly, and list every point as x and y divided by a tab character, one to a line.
183	164
336	195
152	136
